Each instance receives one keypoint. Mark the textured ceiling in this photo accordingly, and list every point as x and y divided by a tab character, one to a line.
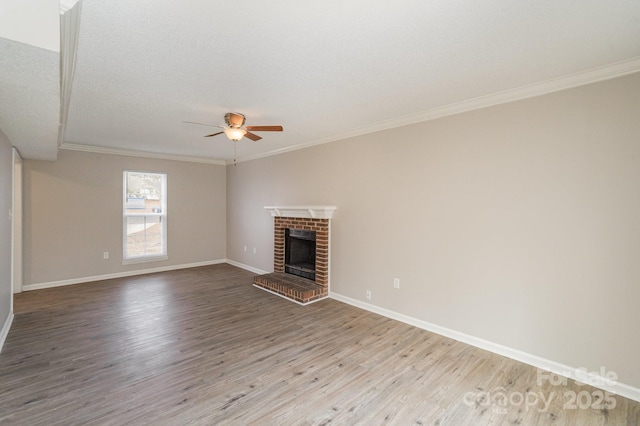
323	70
30	98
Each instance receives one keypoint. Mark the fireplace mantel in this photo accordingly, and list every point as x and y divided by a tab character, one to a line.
309	212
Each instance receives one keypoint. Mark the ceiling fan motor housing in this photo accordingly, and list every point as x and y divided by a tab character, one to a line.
234	120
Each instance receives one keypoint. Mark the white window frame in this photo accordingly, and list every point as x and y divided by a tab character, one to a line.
162	215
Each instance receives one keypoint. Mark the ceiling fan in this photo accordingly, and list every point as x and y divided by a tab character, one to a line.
234	128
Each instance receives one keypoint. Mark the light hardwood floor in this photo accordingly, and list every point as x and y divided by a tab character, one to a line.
203	346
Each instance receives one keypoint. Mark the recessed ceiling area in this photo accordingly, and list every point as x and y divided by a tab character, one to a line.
324	70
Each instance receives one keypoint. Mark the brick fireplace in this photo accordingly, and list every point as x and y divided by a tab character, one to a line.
294	287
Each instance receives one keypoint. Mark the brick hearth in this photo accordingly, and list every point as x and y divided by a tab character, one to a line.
291	286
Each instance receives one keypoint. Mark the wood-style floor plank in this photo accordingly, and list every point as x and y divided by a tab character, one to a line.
202	346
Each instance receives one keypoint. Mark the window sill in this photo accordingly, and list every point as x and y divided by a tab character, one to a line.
144	259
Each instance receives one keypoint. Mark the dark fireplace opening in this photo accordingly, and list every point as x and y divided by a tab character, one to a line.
300	253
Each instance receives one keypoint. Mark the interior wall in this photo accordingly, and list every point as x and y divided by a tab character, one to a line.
34	22
73	213
6	182
518	223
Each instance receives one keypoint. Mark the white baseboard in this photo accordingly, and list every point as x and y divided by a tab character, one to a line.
50	284
578	374
247	267
5	330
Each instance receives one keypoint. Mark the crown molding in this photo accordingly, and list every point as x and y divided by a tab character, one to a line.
129	153
593	75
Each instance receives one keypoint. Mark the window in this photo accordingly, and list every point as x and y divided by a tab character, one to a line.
144	216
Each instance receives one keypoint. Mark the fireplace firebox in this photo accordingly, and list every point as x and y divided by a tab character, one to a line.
300	253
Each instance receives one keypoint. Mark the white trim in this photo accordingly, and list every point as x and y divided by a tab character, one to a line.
66	5
329	258
130	153
289	299
16	224
307	212
144	259
247	267
593	75
162	215
544	364
5	330
72	281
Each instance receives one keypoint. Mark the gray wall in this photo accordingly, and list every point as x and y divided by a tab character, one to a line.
6	203
518	223
73	213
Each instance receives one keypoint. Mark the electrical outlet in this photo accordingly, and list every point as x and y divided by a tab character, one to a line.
396	283
245	248
368	294
105	255
254	250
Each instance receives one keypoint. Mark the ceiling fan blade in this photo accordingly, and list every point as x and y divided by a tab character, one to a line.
202	124
252	136
264	128
213	134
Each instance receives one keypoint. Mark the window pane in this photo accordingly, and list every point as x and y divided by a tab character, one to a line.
144	192
144	208
144	236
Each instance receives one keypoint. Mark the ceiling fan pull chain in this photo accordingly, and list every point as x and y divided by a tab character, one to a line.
234	154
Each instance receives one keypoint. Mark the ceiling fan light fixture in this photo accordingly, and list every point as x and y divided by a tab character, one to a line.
235	134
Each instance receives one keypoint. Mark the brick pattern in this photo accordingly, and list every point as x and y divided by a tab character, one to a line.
321	227
292	287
